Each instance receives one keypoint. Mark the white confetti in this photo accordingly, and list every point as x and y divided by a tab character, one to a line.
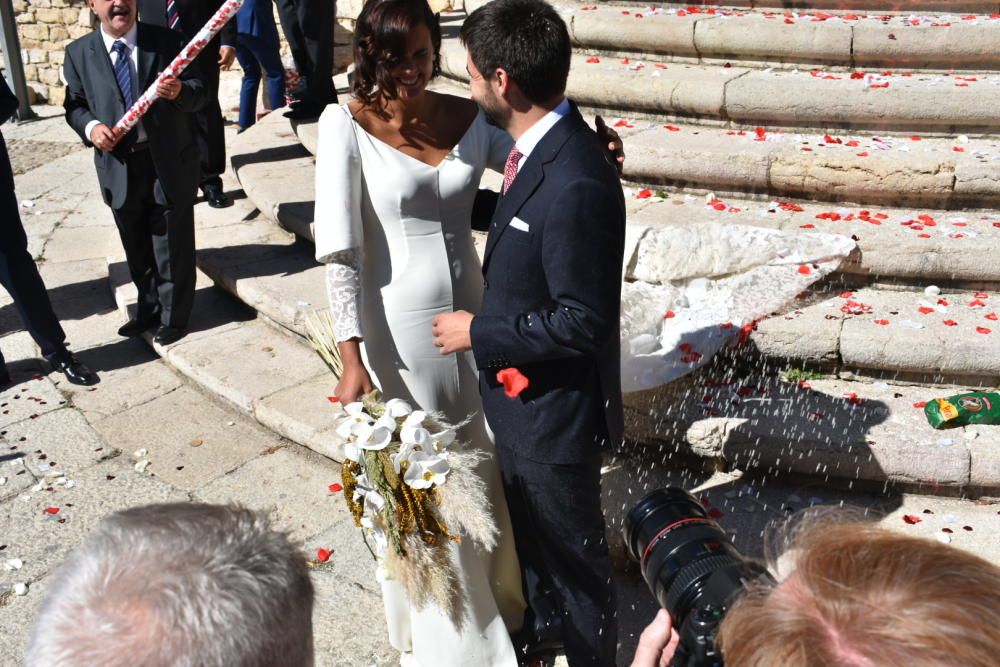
13	564
949	518
944	538
20	589
27	203
44	467
910	324
945	442
139	453
141	466
70	484
3	480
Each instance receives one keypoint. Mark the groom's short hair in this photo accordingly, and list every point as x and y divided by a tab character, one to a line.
527	38
178	585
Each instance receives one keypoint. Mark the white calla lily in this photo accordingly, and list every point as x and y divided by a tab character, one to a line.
386	422
371	438
352	452
415	418
416	435
397	408
426	470
442	440
357	409
403	454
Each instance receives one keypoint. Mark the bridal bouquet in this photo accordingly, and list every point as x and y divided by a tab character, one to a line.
413	490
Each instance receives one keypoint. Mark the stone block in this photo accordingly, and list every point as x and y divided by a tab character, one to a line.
756	37
48	15
42	540
976	181
24	18
79	243
29	399
608	28
885	179
36	56
804	332
935	348
61	441
960	44
57	57
187	453
58	33
291	483
985	463
303	414
50	76
660	156
34	31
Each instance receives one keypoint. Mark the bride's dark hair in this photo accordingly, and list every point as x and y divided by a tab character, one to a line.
380	42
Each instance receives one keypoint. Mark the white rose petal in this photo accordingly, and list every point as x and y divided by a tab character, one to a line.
20	589
3	480
140	453
13	564
141	466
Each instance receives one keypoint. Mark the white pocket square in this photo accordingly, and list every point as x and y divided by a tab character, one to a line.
521	225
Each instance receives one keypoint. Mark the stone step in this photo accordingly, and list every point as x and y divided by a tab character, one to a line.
738	95
276	378
831	6
821	428
709	34
950	337
913	245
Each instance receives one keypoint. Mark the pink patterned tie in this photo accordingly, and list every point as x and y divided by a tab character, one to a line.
510	168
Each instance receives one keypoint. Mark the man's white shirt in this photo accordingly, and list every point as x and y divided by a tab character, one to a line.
530	139
133	53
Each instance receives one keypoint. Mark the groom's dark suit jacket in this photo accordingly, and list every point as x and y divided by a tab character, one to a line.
551	303
92	93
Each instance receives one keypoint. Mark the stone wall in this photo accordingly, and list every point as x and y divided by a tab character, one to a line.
45	27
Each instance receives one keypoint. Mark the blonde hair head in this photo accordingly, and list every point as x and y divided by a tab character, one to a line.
863	596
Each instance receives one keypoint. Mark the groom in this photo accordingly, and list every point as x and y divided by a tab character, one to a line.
550	311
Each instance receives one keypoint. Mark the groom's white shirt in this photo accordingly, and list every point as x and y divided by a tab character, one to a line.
536	132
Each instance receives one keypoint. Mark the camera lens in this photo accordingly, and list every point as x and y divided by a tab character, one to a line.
679	548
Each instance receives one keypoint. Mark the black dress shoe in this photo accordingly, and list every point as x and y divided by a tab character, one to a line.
73	369
166	335
139	325
216	198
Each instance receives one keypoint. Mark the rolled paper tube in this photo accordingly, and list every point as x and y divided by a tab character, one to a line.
226	12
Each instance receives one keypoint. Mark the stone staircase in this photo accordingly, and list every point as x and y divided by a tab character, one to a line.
750	115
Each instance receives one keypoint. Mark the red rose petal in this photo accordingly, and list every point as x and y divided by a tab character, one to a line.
645	193
920	405
715	513
52	510
668	315
925	310
912	519
323	555
335	488
514	382
593	60
882	322
950	323
804	270
983	330
333	399
992	317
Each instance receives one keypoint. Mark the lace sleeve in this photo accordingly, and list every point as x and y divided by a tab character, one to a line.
343	287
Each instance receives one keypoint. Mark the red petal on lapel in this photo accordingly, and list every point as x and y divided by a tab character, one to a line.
514	382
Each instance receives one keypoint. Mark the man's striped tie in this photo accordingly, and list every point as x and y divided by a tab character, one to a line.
173	16
123	72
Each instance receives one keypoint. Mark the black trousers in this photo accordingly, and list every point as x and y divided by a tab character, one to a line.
158	238
18	273
308	27
559	532
209	124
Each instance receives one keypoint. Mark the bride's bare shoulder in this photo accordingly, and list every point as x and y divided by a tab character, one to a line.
457	107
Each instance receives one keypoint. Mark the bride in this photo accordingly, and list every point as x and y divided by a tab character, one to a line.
397	173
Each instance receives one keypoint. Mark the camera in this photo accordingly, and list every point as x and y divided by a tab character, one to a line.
691	567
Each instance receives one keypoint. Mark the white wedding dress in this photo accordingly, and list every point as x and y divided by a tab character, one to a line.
395	234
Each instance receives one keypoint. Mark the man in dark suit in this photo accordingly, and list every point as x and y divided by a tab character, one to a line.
149	179
188	17
550	314
20	277
308	27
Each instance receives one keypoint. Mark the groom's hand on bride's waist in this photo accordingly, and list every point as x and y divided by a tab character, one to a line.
451	332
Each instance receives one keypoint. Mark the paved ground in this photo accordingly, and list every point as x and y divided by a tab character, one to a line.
68	456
